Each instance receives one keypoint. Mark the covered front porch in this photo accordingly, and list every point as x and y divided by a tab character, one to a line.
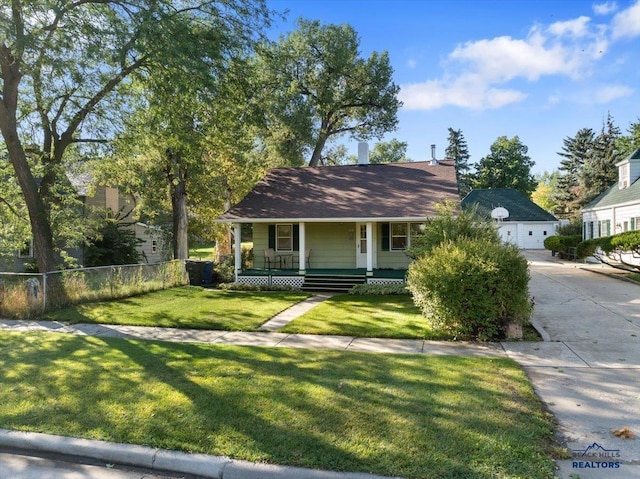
288	252
321	279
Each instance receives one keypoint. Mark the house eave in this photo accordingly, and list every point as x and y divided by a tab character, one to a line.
608	207
390	219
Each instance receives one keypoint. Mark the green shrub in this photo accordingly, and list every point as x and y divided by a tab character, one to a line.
256	287
552	243
450	225
380	289
472	289
628	241
587	248
562	243
572	228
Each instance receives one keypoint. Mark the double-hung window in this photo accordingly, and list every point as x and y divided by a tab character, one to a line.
284	237
399	235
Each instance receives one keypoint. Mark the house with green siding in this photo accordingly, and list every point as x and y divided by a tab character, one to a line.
351	220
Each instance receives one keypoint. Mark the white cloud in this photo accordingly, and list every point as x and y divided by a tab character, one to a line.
576	28
609	93
411	63
626	24
464	93
504	58
476	74
605	8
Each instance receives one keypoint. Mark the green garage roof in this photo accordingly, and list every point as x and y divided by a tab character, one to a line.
520	207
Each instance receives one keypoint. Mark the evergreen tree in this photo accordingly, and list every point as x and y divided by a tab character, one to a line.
575	152
459	152
630	143
599	171
507	166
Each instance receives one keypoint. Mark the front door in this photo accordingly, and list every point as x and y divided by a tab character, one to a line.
361	245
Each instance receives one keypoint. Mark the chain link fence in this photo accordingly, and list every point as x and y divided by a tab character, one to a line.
30	295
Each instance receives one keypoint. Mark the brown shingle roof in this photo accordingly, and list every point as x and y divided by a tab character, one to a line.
397	190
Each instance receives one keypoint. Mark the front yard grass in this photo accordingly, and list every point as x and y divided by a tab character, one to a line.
185	307
371	316
406	415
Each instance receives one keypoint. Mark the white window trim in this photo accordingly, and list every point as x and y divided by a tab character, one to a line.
408	235
290	225
31	253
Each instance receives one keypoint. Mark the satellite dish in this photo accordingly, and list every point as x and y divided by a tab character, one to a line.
499	213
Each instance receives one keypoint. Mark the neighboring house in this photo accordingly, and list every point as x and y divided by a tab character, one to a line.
153	248
356	219
520	220
618	209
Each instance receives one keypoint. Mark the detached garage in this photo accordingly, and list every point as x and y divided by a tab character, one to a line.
521	221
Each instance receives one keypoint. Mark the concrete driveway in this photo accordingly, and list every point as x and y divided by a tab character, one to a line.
588	373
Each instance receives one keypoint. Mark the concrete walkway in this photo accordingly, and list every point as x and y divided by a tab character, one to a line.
587	371
289	314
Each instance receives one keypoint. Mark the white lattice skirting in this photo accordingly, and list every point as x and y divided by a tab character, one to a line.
293	281
254	280
384	281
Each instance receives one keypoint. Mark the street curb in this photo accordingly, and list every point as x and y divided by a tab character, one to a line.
218	467
130	455
541	331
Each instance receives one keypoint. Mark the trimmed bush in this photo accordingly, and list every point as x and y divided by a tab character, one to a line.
379	289
552	243
628	241
255	287
587	248
561	243
472	289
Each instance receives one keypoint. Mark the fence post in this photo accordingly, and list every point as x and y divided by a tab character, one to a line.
44	292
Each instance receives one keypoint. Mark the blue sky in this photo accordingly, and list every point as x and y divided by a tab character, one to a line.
538	69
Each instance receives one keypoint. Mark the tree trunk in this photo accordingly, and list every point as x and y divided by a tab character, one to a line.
177	181
38	217
322	140
223	242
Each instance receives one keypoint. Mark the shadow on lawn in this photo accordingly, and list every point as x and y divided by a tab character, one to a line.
392	410
392	414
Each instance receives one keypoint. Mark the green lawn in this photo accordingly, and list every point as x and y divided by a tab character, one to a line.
372	316
407	415
185	307
203	251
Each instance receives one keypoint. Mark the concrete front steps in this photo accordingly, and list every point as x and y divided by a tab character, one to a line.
329	283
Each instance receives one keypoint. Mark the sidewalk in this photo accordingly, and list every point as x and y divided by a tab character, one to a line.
265	339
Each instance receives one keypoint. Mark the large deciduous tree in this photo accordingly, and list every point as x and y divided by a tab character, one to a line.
392	151
319	88
507	166
64	70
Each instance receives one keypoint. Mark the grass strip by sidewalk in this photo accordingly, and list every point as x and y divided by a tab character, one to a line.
370	316
407	415
185	307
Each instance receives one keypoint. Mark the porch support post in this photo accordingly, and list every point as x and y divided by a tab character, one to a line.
369	249
302	263
237	244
